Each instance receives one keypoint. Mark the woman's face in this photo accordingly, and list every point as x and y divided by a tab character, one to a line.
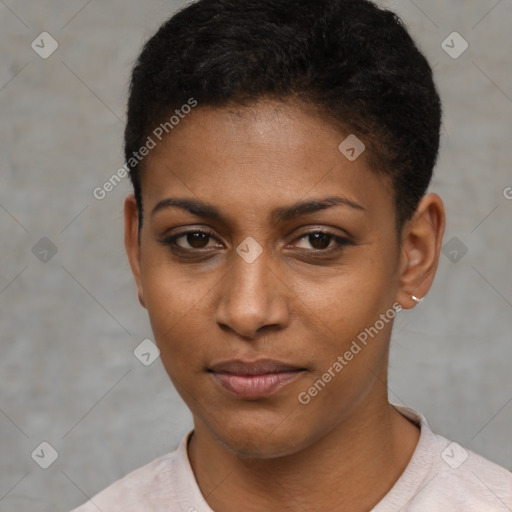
282	253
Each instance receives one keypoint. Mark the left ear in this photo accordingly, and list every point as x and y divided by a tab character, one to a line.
422	238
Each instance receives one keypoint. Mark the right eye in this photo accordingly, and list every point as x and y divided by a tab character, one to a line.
190	241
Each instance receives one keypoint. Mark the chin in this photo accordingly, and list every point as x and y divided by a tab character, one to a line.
253	439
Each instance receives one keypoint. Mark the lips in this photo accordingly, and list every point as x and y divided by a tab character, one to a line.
255	379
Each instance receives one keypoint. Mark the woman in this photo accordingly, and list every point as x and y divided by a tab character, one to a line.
280	154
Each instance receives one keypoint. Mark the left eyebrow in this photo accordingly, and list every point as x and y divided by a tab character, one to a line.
287	213
278	215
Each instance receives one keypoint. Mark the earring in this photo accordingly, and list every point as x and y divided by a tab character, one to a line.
415	299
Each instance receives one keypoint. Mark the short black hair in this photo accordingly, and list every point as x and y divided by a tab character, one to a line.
352	61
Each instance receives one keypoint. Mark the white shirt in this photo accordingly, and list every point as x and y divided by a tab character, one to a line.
440	477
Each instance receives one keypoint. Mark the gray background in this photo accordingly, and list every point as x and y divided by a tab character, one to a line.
69	326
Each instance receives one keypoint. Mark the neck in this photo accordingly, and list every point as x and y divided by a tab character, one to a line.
356	464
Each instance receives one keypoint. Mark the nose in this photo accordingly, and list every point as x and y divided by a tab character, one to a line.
251	300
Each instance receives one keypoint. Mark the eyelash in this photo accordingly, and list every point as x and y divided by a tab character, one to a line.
341	241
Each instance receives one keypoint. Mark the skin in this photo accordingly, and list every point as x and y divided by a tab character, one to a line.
297	302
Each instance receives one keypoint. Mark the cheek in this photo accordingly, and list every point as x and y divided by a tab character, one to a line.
347	300
175	306
170	289
350	359
346	310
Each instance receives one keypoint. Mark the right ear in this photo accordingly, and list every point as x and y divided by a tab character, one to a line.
131	242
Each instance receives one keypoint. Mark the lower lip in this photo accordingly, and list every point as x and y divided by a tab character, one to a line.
255	386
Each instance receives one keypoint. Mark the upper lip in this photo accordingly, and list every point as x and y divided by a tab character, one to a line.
258	367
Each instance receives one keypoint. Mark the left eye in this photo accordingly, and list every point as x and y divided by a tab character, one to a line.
321	241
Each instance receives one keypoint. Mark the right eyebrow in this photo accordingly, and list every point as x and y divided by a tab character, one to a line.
193	206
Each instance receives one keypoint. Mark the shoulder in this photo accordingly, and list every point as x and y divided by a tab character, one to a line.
147	488
443	475
464	478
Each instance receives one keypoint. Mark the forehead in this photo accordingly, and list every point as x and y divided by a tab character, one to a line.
267	154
